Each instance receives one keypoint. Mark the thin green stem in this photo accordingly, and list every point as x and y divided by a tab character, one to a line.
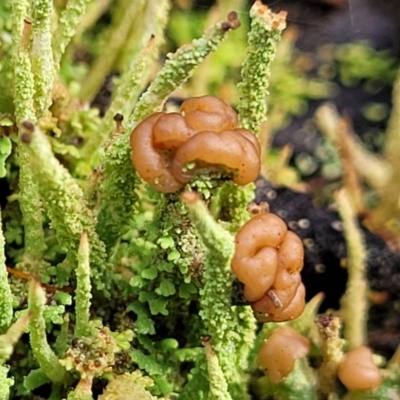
83	288
42	55
265	33
42	351
69	20
6	298
25	109
354	301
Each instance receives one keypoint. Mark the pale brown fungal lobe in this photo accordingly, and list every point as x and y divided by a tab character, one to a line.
279	353
357	370
267	260
169	150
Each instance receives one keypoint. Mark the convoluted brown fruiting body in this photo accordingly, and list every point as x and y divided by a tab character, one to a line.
357	370
169	149
279	353
268	259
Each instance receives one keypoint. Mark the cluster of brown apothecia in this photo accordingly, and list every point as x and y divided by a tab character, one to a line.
169	148
268	259
278	354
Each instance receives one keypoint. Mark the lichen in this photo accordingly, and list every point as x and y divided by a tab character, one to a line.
110	289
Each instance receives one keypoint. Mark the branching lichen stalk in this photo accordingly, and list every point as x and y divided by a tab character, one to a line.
83	288
66	29
45	356
42	54
60	191
265	32
6	299
354	302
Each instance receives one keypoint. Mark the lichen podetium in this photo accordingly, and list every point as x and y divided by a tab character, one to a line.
152	312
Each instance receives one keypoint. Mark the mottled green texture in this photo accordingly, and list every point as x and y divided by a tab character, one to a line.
83	288
5	383
231	339
67	24
6	309
31	207
23	77
91	355
5	151
265	32
45	356
117	191
83	391
177	69
332	353
216	378
128	385
41	54
60	191
229	202
299	384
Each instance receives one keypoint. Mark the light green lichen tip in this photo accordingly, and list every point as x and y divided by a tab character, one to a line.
83	288
6	298
355	300
45	356
11	337
265	32
179	67
67	24
218	384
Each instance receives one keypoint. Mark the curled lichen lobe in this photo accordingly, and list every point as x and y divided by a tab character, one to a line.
169	150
